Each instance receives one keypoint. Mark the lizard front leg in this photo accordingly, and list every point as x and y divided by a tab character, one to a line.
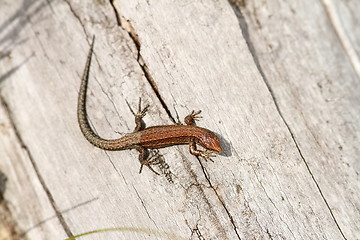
207	155
192	117
190	120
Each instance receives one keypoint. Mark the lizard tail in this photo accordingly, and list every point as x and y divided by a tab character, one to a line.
84	124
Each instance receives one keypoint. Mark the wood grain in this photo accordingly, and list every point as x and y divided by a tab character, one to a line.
278	81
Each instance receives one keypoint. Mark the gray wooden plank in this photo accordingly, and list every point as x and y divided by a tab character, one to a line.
269	98
26	198
315	81
224	76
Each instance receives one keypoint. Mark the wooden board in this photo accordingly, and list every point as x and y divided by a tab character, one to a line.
278	82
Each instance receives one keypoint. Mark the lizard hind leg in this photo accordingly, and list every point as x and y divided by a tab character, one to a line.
148	159
139	124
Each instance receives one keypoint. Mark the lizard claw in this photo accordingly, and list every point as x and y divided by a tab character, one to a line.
142	113
208	155
141	167
154	159
192	117
196	115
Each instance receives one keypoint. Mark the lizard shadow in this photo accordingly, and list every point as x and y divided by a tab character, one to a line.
3	180
225	145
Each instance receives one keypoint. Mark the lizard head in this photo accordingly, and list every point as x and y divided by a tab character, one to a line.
210	142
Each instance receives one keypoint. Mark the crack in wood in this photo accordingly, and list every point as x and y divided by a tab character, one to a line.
244	29
128	27
36	170
143	204
221	201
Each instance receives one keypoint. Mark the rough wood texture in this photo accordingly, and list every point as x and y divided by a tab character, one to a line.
278	81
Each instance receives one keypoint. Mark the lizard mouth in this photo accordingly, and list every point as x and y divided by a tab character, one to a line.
217	149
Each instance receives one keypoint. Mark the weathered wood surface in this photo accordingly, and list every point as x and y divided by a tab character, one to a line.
278	81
